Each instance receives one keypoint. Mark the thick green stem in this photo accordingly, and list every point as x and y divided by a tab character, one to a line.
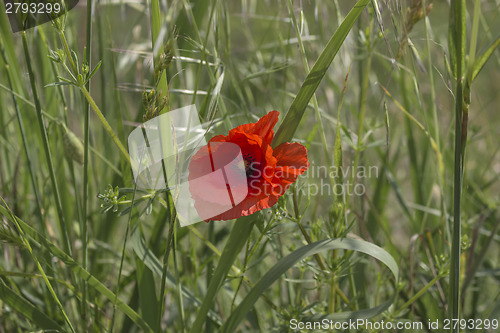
458	14
74	67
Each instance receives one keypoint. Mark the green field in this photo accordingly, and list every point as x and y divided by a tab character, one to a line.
396	218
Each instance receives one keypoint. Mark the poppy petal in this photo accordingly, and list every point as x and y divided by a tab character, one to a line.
249	206
292	155
269	172
263	128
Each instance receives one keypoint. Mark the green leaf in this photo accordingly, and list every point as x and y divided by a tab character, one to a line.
293	258
28	310
313	79
148	299
452	39
67	80
237	238
92	73
481	61
75	60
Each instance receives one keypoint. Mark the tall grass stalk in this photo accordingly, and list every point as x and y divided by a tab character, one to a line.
31	172
457	20
363	76
319	258
48	155
434	113
86	131
157	45
106	125
37	262
120	268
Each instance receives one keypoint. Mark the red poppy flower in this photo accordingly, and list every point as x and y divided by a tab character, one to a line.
267	172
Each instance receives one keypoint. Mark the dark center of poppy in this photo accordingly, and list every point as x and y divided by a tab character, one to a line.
250	165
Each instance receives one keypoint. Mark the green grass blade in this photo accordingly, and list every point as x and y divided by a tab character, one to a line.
86	131
155	265
481	61
72	264
6	38
5	210
147	294
473	39
293	258
48	155
337	157
414	120
460	36
28	310
452	38
313	79
237	239
23	135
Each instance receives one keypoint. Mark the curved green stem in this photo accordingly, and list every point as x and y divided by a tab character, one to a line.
105	123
